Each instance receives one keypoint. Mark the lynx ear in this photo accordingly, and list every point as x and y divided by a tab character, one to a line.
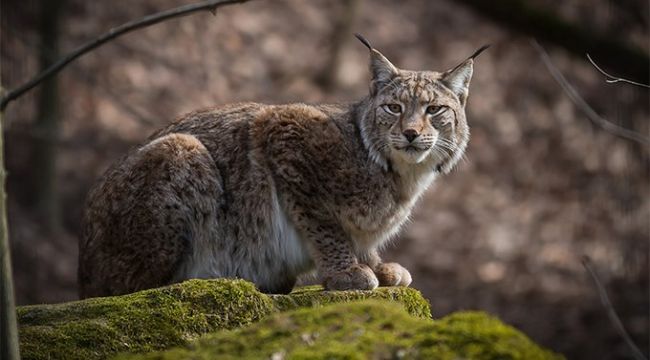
458	78
382	70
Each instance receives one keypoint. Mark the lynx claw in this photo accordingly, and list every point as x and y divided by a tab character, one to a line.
392	274
356	277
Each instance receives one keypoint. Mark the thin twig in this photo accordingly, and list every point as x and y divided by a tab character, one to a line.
582	104
113	33
613	79
613	316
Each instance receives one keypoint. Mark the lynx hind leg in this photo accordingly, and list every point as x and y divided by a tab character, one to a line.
144	217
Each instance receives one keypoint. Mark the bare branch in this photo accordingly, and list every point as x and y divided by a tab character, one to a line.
113	33
613	79
582	104
613	316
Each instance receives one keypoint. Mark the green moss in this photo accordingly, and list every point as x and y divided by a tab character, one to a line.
314	296
161	318
144	321
362	330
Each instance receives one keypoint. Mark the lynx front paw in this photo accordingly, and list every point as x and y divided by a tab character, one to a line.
356	277
392	274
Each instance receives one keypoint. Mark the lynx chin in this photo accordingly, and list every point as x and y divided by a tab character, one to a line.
268	192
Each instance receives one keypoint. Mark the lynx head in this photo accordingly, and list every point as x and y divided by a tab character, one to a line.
416	117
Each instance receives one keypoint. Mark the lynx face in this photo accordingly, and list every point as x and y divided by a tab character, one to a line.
417	117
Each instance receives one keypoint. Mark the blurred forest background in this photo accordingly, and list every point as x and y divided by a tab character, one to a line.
504	233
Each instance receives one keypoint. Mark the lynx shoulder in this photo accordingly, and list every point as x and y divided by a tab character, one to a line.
268	192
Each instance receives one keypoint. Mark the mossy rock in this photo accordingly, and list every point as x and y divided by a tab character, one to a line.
161	318
368	329
314	296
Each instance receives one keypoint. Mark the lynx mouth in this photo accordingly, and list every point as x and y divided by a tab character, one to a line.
410	149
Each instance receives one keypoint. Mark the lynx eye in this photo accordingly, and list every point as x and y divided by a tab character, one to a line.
435	110
393	109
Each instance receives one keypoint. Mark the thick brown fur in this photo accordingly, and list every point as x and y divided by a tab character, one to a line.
267	192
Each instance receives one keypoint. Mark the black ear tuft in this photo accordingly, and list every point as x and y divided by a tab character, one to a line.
381	68
479	51
458	78
363	41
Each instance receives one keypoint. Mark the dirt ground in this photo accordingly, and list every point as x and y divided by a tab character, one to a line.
542	185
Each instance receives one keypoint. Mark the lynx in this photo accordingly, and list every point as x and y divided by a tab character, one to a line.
268	192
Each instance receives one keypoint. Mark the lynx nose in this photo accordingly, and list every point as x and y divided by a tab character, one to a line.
410	134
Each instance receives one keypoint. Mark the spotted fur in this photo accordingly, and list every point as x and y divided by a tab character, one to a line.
268	192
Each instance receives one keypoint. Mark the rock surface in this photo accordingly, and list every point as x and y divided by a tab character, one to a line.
368	329
234	320
161	318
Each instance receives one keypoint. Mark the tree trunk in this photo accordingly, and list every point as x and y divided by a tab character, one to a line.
46	132
342	33
8	326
